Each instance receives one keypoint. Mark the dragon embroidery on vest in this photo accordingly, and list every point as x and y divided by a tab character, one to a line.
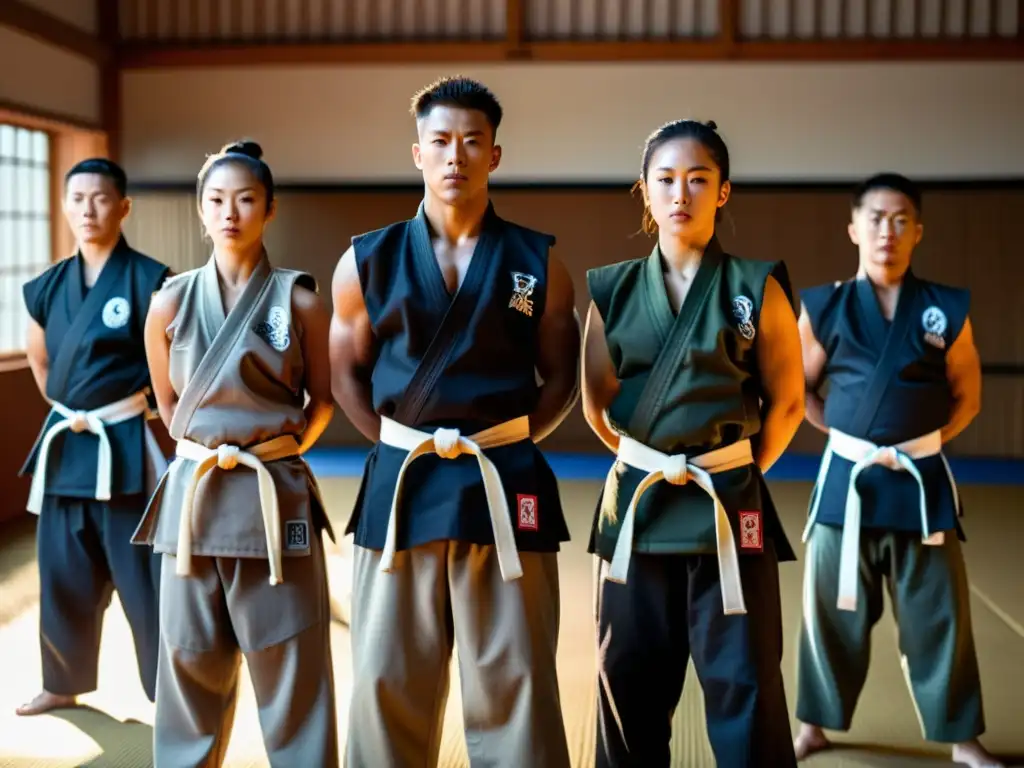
522	289
743	311
274	330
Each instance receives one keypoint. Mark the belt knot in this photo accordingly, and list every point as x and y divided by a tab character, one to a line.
889	457
446	443
79	422
227	456
675	470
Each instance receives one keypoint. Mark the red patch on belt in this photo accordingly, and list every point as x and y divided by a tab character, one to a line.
527	520
751	536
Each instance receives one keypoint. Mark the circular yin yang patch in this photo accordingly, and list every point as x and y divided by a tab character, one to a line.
934	321
116	313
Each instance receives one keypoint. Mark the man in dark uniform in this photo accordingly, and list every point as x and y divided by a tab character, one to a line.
904	379
95	459
442	325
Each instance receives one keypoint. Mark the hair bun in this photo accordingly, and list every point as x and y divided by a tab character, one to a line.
712	125
244	147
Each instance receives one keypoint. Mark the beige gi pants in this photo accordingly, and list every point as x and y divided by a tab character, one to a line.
228	607
404	626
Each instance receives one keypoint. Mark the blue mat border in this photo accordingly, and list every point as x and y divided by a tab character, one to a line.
348	462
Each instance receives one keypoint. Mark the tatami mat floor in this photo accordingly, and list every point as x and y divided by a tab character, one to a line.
115	729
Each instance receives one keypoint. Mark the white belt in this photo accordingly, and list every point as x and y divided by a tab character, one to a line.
94	421
228	457
677	470
864	454
448	444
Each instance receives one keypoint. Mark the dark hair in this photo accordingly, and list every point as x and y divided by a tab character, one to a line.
891	181
706	133
459	92
245	153
102	167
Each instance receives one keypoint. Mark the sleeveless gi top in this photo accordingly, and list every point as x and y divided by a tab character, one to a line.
467	362
709	401
907	357
250	367
97	354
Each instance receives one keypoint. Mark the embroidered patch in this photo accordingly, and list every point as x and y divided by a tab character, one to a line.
274	330
296	534
116	313
743	311
527	512
522	289
934	322
750	531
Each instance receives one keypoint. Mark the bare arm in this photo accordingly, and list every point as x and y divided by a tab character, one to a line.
315	322
162	309
600	384
38	359
782	375
815	359
352	349
963	370
558	360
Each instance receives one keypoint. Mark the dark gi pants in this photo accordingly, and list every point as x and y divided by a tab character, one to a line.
670	608
929	593
85	553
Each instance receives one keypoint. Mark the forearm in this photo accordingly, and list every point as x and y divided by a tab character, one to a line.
353	395
814	411
318	415
779	424
964	411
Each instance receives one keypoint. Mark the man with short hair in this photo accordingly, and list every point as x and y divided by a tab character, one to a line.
95	461
442	324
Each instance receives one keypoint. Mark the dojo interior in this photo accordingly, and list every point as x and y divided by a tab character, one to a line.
810	95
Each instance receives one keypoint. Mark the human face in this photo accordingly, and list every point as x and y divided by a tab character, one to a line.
456	153
885	229
684	191
94	208
233	208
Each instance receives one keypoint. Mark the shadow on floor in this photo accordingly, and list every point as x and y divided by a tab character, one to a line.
123	743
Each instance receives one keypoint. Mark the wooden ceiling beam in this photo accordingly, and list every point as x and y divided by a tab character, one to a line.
33	22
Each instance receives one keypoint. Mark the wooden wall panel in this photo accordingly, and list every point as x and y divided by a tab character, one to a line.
969	240
562	20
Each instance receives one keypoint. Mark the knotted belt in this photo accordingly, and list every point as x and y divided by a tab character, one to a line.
448	444
95	421
229	457
678	470
863	454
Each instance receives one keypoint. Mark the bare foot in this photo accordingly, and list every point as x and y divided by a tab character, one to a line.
811	739
44	702
973	754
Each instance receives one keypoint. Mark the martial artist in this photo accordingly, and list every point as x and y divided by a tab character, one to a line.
692	378
904	379
442	324
95	461
238	353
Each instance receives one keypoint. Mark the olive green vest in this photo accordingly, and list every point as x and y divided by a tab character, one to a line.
707	393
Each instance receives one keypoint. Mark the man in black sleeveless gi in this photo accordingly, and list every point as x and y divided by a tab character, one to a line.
443	325
95	459
904	379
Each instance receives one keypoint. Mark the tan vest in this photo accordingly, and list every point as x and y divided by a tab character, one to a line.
241	376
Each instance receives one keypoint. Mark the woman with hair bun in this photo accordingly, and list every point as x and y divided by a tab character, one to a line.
237	350
692	376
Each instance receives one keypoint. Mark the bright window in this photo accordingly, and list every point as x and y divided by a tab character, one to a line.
25	248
